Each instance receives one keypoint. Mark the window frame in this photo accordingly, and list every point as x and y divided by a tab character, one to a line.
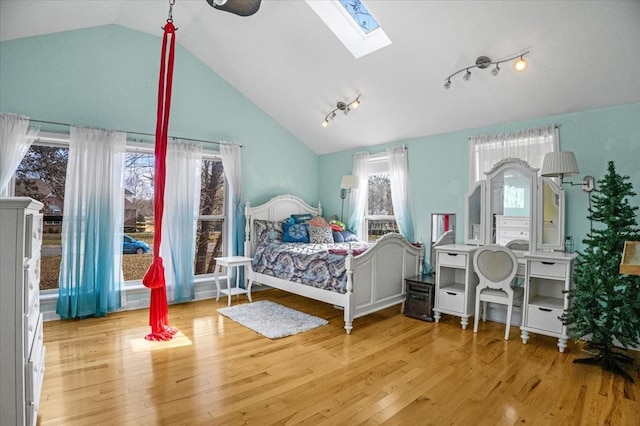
377	164
61	140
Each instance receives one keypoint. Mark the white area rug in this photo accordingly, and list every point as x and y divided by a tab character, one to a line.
271	319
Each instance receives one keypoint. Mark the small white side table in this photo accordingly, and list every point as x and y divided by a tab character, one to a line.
234	262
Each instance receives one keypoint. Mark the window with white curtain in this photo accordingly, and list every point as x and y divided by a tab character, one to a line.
529	145
41	175
379	218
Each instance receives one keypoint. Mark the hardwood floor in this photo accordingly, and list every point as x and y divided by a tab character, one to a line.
392	369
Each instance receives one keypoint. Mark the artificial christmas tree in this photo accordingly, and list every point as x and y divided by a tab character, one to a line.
605	305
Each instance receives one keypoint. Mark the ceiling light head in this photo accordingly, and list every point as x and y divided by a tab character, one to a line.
467	75
325	123
355	103
347	110
447	84
496	70
520	64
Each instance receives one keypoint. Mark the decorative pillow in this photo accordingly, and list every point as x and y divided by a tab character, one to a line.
320	234
267	231
301	218
344	237
317	221
295	233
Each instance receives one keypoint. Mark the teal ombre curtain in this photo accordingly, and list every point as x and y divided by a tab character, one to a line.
179	221
92	224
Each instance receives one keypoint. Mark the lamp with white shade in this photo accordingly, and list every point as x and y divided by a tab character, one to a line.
561	164
348	183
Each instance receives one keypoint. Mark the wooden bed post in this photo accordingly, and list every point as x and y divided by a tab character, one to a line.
247	229
348	313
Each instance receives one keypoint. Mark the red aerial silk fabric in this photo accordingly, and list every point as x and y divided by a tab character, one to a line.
154	277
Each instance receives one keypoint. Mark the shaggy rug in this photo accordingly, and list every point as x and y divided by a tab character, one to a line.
271	319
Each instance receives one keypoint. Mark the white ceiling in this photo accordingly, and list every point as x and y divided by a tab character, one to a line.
584	55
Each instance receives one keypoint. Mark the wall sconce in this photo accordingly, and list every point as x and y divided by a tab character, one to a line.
341	106
561	164
348	183
484	62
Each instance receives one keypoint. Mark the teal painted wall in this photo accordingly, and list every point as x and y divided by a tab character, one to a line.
439	165
107	77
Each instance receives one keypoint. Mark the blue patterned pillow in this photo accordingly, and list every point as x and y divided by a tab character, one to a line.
301	218
344	237
267	231
295	233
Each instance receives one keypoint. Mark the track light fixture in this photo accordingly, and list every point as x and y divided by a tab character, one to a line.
483	62
341	106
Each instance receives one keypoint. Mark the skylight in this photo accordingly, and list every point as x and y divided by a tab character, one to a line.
353	24
360	15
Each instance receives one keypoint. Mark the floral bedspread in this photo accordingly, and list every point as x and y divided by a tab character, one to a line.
309	264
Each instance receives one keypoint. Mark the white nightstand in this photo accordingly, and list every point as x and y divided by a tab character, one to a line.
234	262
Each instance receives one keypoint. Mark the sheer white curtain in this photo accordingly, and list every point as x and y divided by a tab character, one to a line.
399	180
529	145
231	162
182	200
358	198
92	224
15	139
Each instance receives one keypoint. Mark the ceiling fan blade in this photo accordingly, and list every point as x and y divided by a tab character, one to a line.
237	7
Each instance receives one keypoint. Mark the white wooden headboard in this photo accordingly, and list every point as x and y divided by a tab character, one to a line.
276	209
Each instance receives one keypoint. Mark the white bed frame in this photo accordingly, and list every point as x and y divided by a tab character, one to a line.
375	279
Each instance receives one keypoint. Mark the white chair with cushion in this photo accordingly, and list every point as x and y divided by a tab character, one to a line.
496	267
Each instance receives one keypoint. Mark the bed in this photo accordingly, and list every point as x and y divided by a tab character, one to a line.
373	279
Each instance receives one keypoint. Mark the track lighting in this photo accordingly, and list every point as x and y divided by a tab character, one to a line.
341	106
483	62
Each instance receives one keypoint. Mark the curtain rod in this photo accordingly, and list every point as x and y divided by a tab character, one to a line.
130	132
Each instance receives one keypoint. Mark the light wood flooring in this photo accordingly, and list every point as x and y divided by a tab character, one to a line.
391	370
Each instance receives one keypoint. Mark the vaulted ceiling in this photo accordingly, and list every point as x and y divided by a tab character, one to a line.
583	55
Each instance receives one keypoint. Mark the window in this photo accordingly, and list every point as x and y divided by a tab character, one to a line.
353	24
41	175
360	15
139	170
210	238
529	145
379	218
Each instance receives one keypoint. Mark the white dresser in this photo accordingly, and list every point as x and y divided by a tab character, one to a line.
456	282
511	228
21	342
547	282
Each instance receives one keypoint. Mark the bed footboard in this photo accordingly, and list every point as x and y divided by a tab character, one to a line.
375	279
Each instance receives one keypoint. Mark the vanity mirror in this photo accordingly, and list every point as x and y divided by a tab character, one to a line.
513	203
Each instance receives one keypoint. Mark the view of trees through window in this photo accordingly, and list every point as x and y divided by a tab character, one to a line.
209	231
41	175
379	219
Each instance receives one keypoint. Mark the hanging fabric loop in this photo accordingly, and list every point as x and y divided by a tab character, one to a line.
154	278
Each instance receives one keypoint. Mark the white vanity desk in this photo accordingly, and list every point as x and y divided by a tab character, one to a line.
513	202
547	278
